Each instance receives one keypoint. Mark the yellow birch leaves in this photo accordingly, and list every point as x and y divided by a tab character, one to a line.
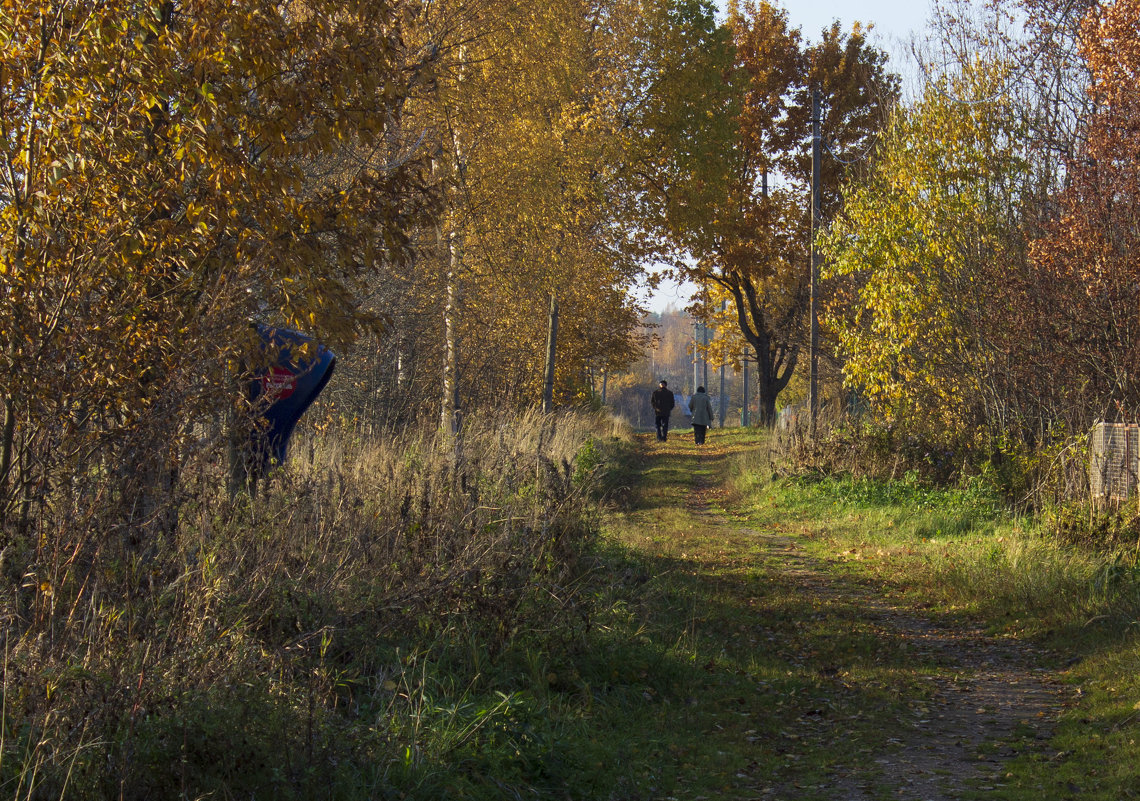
922	238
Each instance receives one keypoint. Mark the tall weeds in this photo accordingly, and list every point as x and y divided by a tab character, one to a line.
266	647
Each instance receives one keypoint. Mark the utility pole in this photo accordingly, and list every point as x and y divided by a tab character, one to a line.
723	400
551	343
816	157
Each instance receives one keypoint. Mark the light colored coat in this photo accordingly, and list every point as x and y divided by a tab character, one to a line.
701	408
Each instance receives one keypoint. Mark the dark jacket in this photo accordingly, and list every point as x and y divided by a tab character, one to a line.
663	401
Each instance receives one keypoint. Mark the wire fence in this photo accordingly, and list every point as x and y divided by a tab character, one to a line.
1114	462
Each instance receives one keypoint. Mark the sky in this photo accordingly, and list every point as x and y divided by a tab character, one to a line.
894	20
894	23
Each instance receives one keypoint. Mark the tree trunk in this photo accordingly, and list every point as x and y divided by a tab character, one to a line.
7	443
775	357
775	366
766	390
767	405
551	349
450	411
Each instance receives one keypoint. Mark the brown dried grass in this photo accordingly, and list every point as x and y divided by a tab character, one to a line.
249	630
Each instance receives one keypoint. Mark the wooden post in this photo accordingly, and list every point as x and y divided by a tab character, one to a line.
551	345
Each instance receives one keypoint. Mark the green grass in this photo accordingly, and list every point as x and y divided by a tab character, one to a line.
710	636
954	546
955	552
786	692
753	684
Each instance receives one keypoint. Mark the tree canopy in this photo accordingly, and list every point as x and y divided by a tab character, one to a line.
738	223
925	240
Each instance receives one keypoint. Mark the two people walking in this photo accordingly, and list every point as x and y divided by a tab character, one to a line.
700	407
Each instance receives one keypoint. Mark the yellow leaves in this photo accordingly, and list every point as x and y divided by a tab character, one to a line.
912	235
154	170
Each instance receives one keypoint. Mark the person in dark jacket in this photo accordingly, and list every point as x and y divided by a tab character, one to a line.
701	407
663	403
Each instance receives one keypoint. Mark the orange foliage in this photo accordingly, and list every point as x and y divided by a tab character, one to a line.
1089	263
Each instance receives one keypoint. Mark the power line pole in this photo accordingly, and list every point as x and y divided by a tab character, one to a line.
816	157
723	401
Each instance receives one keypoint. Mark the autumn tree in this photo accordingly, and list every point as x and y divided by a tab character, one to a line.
945	324
926	238
163	183
678	123
1088	256
1046	80
518	118
738	220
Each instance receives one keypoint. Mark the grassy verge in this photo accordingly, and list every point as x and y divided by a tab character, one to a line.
370	626
956	553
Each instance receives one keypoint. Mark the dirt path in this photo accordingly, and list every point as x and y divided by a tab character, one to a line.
985	700
988	700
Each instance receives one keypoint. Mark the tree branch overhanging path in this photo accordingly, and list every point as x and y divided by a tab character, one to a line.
822	683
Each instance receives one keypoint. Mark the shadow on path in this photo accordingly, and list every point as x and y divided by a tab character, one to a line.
980	699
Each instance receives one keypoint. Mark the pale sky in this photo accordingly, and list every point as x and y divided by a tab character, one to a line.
895	21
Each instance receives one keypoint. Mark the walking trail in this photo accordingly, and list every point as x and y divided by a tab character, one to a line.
966	702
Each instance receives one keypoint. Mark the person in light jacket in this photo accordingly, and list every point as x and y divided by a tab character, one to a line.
701	408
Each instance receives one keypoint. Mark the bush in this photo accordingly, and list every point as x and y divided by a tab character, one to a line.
1091	527
866	448
1028	476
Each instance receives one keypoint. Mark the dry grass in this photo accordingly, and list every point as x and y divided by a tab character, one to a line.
250	647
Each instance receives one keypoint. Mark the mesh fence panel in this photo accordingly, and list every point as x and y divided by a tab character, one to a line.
1115	461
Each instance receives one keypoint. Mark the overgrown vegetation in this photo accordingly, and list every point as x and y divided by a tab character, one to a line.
386	622
1048	480
331	637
